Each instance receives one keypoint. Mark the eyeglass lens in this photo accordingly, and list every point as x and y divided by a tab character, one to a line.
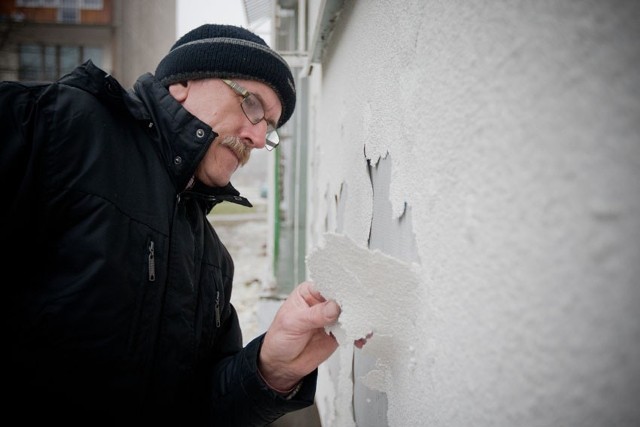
273	139
252	108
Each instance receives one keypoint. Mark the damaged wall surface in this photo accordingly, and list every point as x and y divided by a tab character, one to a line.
474	202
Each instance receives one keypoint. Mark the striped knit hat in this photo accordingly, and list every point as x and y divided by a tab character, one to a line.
227	51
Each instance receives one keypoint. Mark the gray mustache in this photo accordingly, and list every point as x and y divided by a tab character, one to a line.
241	150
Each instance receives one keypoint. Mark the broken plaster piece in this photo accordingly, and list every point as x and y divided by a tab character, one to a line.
376	292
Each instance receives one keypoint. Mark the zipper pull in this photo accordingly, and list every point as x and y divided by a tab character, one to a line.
152	262
217	309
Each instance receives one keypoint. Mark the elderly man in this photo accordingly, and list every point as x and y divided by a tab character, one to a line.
118	307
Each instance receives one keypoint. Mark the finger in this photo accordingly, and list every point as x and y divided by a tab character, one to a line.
359	343
316	294
321	347
321	315
309	294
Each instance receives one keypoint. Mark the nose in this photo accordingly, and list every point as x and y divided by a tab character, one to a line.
257	133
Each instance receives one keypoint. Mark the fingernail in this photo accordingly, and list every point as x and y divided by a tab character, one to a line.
331	310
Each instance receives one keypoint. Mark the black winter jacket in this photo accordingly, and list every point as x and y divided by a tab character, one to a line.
116	289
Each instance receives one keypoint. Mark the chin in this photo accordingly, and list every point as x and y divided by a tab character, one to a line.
221	182
218	174
215	181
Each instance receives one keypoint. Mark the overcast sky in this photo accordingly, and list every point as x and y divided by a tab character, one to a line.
192	13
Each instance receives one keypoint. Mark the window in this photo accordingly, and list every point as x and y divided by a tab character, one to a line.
50	62
29	3
92	53
82	4
30	64
69	58
68	10
91	4
50	72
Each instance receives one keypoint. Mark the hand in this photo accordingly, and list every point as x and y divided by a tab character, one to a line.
296	342
359	343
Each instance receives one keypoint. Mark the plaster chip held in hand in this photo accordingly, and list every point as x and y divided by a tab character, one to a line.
375	291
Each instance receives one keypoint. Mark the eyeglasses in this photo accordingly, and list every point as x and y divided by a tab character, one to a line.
253	109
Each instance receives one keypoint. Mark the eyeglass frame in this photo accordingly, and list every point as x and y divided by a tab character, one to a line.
271	129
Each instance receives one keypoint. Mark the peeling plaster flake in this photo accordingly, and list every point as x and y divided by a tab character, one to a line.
377	293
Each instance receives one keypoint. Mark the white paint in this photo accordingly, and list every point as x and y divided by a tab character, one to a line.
514	134
379	297
346	272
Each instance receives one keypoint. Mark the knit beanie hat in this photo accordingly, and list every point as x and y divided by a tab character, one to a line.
228	51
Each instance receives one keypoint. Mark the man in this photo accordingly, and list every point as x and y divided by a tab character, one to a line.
116	287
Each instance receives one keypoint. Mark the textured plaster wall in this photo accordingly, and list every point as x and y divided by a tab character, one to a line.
474	201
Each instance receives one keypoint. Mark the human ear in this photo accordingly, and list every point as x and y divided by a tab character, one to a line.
179	91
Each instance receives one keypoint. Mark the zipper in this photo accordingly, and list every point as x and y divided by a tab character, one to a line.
152	262
217	309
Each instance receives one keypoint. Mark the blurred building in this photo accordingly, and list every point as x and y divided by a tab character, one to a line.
45	39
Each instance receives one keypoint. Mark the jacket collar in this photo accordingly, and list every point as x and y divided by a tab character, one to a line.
210	196
181	138
184	140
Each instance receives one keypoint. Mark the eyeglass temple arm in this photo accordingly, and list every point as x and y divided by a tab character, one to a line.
235	86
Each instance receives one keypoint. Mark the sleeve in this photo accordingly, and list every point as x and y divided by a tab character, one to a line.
18	178
240	396
18	105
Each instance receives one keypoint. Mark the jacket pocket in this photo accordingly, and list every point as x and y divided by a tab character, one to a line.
143	323
151	260
210	307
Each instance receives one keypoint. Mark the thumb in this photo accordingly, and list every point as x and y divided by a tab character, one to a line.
324	314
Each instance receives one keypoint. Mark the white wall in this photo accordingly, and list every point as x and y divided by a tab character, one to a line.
487	155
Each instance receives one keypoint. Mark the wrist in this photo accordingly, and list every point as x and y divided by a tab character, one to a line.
287	393
276	374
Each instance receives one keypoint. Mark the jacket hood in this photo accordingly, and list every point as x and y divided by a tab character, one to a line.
181	138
